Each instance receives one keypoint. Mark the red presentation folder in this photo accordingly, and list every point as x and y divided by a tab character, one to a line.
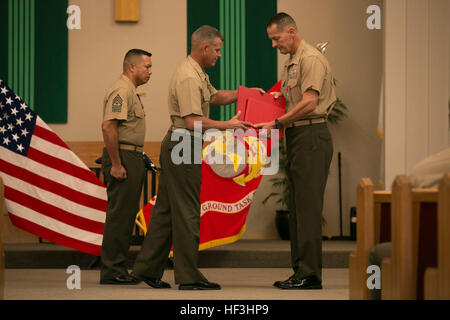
259	111
243	95
257	108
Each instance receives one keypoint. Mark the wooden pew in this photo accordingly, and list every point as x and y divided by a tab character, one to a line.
437	280
373	226
414	241
2	254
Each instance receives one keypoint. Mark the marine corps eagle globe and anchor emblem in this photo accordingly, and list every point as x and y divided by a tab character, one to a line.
240	157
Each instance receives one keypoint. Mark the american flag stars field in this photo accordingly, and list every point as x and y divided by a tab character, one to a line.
49	191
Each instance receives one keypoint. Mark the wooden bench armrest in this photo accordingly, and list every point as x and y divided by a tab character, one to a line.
437	280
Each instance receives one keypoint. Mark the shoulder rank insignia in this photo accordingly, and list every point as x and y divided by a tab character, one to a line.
117	104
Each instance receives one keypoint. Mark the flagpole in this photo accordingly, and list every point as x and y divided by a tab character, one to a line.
341	234
340	193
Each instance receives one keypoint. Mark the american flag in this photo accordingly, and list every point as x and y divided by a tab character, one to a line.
49	191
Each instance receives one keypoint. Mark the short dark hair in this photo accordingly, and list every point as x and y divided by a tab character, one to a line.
205	33
282	20
132	54
136	52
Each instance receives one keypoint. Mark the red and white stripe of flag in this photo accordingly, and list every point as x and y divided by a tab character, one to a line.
52	194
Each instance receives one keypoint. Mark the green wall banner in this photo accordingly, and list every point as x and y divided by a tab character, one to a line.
248	58
34	62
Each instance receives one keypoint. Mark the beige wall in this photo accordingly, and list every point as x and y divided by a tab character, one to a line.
96	52
354	52
95	62
417	82
355	56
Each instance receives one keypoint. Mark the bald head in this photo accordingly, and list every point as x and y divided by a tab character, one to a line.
204	34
